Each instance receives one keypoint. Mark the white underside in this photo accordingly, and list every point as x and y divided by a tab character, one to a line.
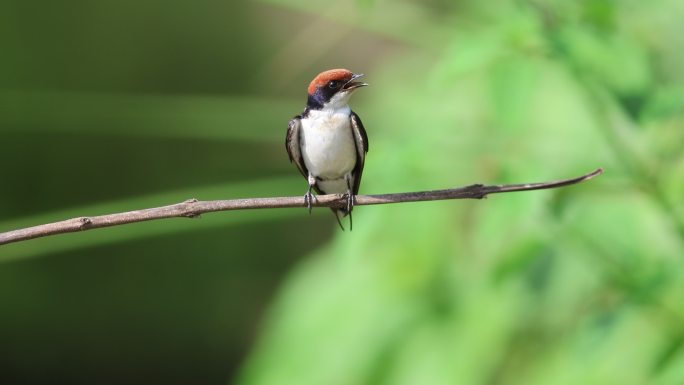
328	148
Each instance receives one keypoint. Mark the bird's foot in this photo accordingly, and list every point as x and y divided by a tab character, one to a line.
309	198
350	201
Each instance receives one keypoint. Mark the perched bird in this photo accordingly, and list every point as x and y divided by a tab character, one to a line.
327	142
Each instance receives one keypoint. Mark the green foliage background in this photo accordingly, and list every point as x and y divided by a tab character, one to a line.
114	105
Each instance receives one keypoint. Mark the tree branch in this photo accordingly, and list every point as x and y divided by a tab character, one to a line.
193	208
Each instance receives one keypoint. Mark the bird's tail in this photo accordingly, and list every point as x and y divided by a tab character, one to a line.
341	213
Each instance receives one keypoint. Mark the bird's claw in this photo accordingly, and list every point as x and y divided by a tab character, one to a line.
350	201
309	198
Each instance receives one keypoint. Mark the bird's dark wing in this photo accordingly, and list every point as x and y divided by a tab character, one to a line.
292	145
361	141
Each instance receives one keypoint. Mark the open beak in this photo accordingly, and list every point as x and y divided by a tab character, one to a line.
352	85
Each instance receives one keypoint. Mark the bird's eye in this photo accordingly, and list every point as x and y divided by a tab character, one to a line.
333	84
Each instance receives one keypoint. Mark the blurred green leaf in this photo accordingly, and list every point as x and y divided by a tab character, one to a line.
611	59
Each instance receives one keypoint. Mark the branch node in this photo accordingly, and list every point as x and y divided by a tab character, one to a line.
188	211
476	187
85	222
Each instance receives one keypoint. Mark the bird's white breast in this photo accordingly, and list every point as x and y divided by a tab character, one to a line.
327	143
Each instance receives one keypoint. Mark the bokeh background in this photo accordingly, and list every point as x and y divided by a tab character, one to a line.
108	106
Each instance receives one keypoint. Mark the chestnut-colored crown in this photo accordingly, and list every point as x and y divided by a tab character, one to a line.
339	74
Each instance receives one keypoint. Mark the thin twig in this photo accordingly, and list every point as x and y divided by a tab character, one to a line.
192	207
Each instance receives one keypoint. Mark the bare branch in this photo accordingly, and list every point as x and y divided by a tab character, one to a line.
193	208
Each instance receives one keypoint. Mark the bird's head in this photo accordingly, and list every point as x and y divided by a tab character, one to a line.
333	88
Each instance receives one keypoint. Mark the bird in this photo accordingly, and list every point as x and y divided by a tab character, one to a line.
327	142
